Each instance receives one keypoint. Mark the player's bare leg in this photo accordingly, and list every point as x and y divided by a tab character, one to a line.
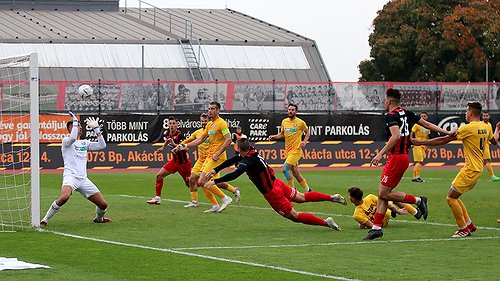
162	173
66	192
101	207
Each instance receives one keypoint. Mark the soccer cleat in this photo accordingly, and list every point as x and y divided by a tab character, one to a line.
237	194
418	215
214	209
43	224
102	220
192	205
417	180
394	214
332	224
374	234
309	189
422	207
337	198
471	227
461	233
155	201
224	204
495	178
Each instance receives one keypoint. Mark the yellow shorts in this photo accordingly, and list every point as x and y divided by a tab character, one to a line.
419	153
210	164
465	180
486	154
293	157
197	166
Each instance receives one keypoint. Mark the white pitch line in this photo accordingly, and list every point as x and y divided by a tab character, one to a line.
202	256
341	243
316	213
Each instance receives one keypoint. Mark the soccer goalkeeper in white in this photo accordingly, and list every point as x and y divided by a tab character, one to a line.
74	153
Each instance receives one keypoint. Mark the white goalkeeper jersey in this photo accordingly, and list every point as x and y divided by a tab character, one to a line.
75	153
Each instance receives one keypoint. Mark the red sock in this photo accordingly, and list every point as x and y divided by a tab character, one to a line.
313	196
159	186
379	219
307	218
410	199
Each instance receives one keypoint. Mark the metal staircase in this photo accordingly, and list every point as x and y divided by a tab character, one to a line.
191	59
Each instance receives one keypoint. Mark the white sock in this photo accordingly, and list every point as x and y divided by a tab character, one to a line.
374	227
416	211
53	209
418	200
99	214
226	198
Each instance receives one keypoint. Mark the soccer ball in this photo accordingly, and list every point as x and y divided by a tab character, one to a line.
85	91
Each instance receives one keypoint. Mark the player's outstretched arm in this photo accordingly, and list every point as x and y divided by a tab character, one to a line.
435	141
496	135
277	137
74	131
434	127
101	143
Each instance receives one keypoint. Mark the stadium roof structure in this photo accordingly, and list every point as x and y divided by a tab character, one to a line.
78	41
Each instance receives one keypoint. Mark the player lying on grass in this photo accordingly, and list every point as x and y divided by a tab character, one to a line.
74	151
367	207
277	193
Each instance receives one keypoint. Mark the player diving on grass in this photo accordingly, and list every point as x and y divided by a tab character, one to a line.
292	129
276	192
196	170
219	138
74	152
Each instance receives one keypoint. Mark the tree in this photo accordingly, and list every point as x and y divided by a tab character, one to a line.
434	40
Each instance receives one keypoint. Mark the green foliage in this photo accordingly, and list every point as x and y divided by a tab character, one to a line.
431	40
410	249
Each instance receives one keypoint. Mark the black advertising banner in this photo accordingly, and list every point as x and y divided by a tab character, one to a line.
316	154
149	128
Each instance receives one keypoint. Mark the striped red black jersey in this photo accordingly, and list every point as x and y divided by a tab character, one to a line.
405	120
181	156
254	165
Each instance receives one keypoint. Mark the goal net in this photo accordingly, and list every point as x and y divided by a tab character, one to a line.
19	143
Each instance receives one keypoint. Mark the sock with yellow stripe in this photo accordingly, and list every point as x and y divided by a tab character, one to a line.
230	188
304	184
215	190
290	183
416	170
412	210
194	196
210	196
457	211
464	211
490	169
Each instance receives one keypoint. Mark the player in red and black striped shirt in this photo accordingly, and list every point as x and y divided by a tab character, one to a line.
399	122
277	193
180	159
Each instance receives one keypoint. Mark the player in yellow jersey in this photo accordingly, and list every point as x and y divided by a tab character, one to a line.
487	154
196	170
365	210
420	133
292	129
474	136
219	138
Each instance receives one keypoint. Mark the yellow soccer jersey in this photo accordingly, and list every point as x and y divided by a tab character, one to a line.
293	130
487	144
474	137
216	130
366	211
420	132
202	147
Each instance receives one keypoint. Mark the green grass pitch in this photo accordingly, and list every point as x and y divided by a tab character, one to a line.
249	241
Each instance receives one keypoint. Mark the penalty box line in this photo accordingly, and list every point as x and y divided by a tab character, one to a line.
316	213
174	251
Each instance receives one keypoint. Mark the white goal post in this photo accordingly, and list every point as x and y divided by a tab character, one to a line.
19	118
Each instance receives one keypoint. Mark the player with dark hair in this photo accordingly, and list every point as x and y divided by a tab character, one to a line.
219	138
474	137
277	193
367	207
74	152
292	129
180	161
398	122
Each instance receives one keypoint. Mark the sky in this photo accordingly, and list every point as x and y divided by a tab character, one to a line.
340	28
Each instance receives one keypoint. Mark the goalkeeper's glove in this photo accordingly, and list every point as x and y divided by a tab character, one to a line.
94	125
72	115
